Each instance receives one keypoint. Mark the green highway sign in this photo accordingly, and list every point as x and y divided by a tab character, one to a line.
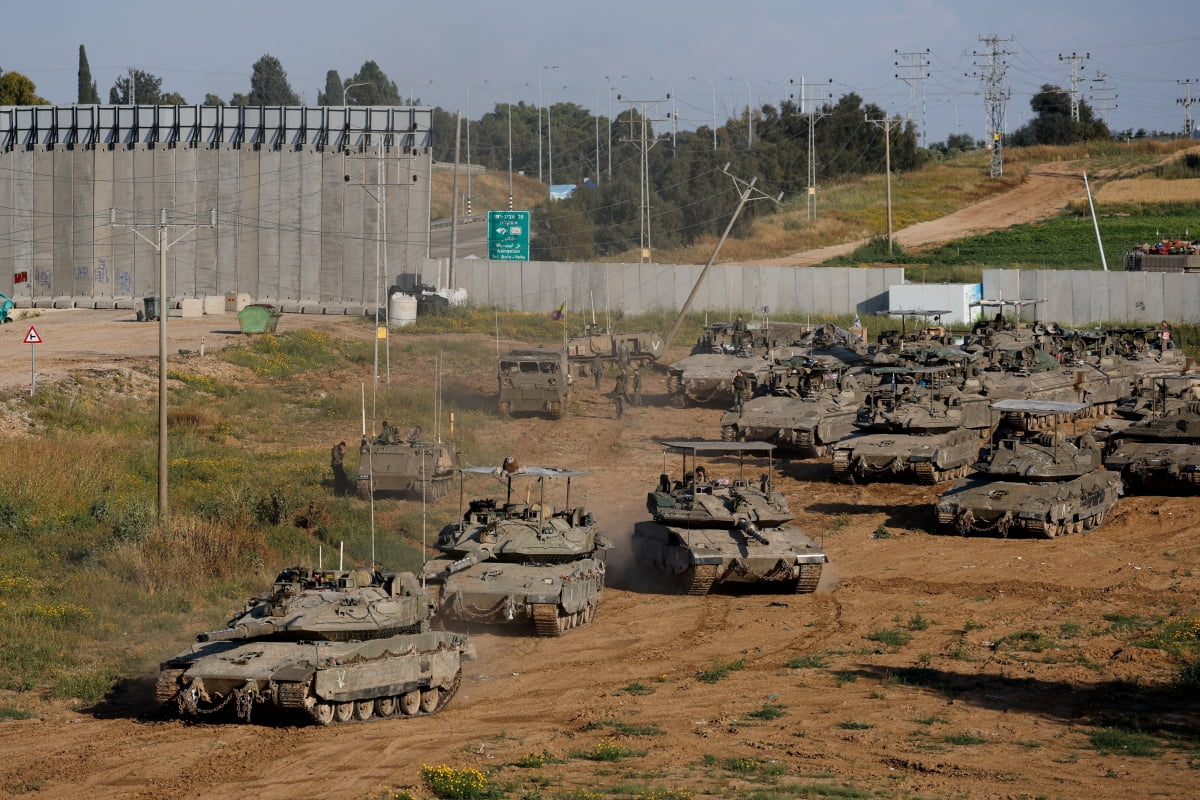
508	235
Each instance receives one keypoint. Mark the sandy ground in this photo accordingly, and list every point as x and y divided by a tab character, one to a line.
1045	193
956	711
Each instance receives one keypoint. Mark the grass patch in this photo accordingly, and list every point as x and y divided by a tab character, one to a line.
756	766
12	712
1027	642
932	720
1117	741
609	750
892	637
719	670
453	783
626	728
964	739
635	689
842	677
918	623
854	726
806	661
789	790
768	712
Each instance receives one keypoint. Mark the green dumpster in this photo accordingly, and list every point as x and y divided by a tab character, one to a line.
259	318
151	306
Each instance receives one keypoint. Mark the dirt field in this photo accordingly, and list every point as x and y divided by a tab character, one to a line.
915	671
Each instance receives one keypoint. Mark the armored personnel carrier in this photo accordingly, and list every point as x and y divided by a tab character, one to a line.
332	645
925	426
520	561
707	530
388	464
706	376
808	404
1039	483
1162	451
641	348
534	379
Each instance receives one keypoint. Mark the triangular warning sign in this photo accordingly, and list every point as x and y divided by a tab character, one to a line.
32	337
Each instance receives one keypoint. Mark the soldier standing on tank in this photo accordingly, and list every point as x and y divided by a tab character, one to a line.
741	387
635	386
597	370
337	462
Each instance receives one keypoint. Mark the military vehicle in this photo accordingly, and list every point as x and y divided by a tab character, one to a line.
1169	255
389	464
806	406
1039	483
641	348
1159	395
534	379
520	561
1159	452
707	530
920	424
706	376
334	645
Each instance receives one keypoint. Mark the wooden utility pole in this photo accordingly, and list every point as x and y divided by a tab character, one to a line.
887	124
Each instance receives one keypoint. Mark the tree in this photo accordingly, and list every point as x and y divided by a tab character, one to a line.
211	99
172	99
17	90
1052	122
379	91
137	87
87	86
269	84
334	94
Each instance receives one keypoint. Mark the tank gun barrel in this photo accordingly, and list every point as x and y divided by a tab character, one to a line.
750	529
466	562
243	630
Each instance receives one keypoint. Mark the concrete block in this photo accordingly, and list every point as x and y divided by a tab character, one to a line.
214	304
191	307
236	301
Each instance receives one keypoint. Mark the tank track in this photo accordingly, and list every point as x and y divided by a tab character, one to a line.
675	390
168	685
547	620
363	489
810	576
929	475
841	466
699	579
806	443
728	433
322	714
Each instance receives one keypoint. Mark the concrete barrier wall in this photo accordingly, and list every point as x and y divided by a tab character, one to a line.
1075	298
634	288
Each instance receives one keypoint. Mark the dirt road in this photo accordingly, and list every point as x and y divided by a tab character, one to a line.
1047	191
927	665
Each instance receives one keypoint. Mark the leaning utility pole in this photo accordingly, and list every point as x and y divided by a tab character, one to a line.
914	70
1187	101
162	246
807	98
995	94
744	195
1076	61
645	144
887	124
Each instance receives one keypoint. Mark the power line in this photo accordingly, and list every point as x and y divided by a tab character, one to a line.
1187	101
914	71
1076	62
995	94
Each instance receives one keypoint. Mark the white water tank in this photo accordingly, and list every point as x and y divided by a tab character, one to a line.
402	310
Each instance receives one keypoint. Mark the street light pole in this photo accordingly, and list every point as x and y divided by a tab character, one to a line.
610	119
539	132
749	111
713	87
348	87
674	115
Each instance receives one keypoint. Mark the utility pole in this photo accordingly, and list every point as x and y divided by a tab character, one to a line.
813	115
645	144
1076	62
1103	95
745	194
162	246
995	94
1187	101
914	70
887	124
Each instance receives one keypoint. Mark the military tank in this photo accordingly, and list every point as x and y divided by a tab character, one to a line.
331	645
706	376
925	427
389	465
1159	452
1043	484
713	531
520	562
807	405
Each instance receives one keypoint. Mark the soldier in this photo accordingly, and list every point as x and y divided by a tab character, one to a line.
741	387
620	392
635	385
597	370
337	462
739	331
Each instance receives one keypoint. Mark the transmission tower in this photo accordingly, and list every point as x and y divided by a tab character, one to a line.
1104	95
1076	62
808	100
1186	101
995	94
915	70
645	143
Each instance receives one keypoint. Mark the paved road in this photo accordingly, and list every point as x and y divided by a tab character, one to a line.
471	240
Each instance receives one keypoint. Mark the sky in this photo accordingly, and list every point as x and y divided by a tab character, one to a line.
712	58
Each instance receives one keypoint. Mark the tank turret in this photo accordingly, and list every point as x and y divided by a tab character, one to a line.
332	644
1159	451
